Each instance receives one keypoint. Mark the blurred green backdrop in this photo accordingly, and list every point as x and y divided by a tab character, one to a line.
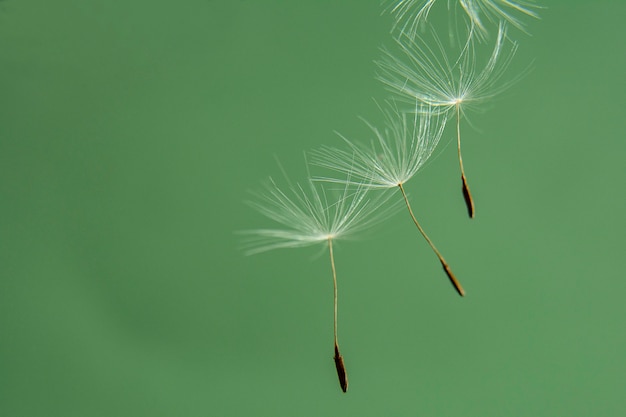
130	134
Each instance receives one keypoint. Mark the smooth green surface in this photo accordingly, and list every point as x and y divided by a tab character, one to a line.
130	133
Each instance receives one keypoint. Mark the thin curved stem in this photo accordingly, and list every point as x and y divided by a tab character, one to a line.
446	267
339	365
332	265
469	202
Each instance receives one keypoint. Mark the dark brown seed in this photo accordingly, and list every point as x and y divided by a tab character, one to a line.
341	370
469	202
453	280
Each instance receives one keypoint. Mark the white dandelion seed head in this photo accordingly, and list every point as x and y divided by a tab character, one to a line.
308	215
394	156
422	70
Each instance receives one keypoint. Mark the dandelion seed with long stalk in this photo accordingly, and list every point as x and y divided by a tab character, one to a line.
309	218
425	73
396	155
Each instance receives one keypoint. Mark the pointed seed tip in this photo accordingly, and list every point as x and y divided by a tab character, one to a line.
455	283
341	370
467	196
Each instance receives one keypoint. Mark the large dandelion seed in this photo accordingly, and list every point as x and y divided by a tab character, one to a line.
426	74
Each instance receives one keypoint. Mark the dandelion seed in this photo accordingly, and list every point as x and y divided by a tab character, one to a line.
410	15
426	74
309	218
393	158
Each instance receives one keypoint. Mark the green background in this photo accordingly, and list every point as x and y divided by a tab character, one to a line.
130	135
